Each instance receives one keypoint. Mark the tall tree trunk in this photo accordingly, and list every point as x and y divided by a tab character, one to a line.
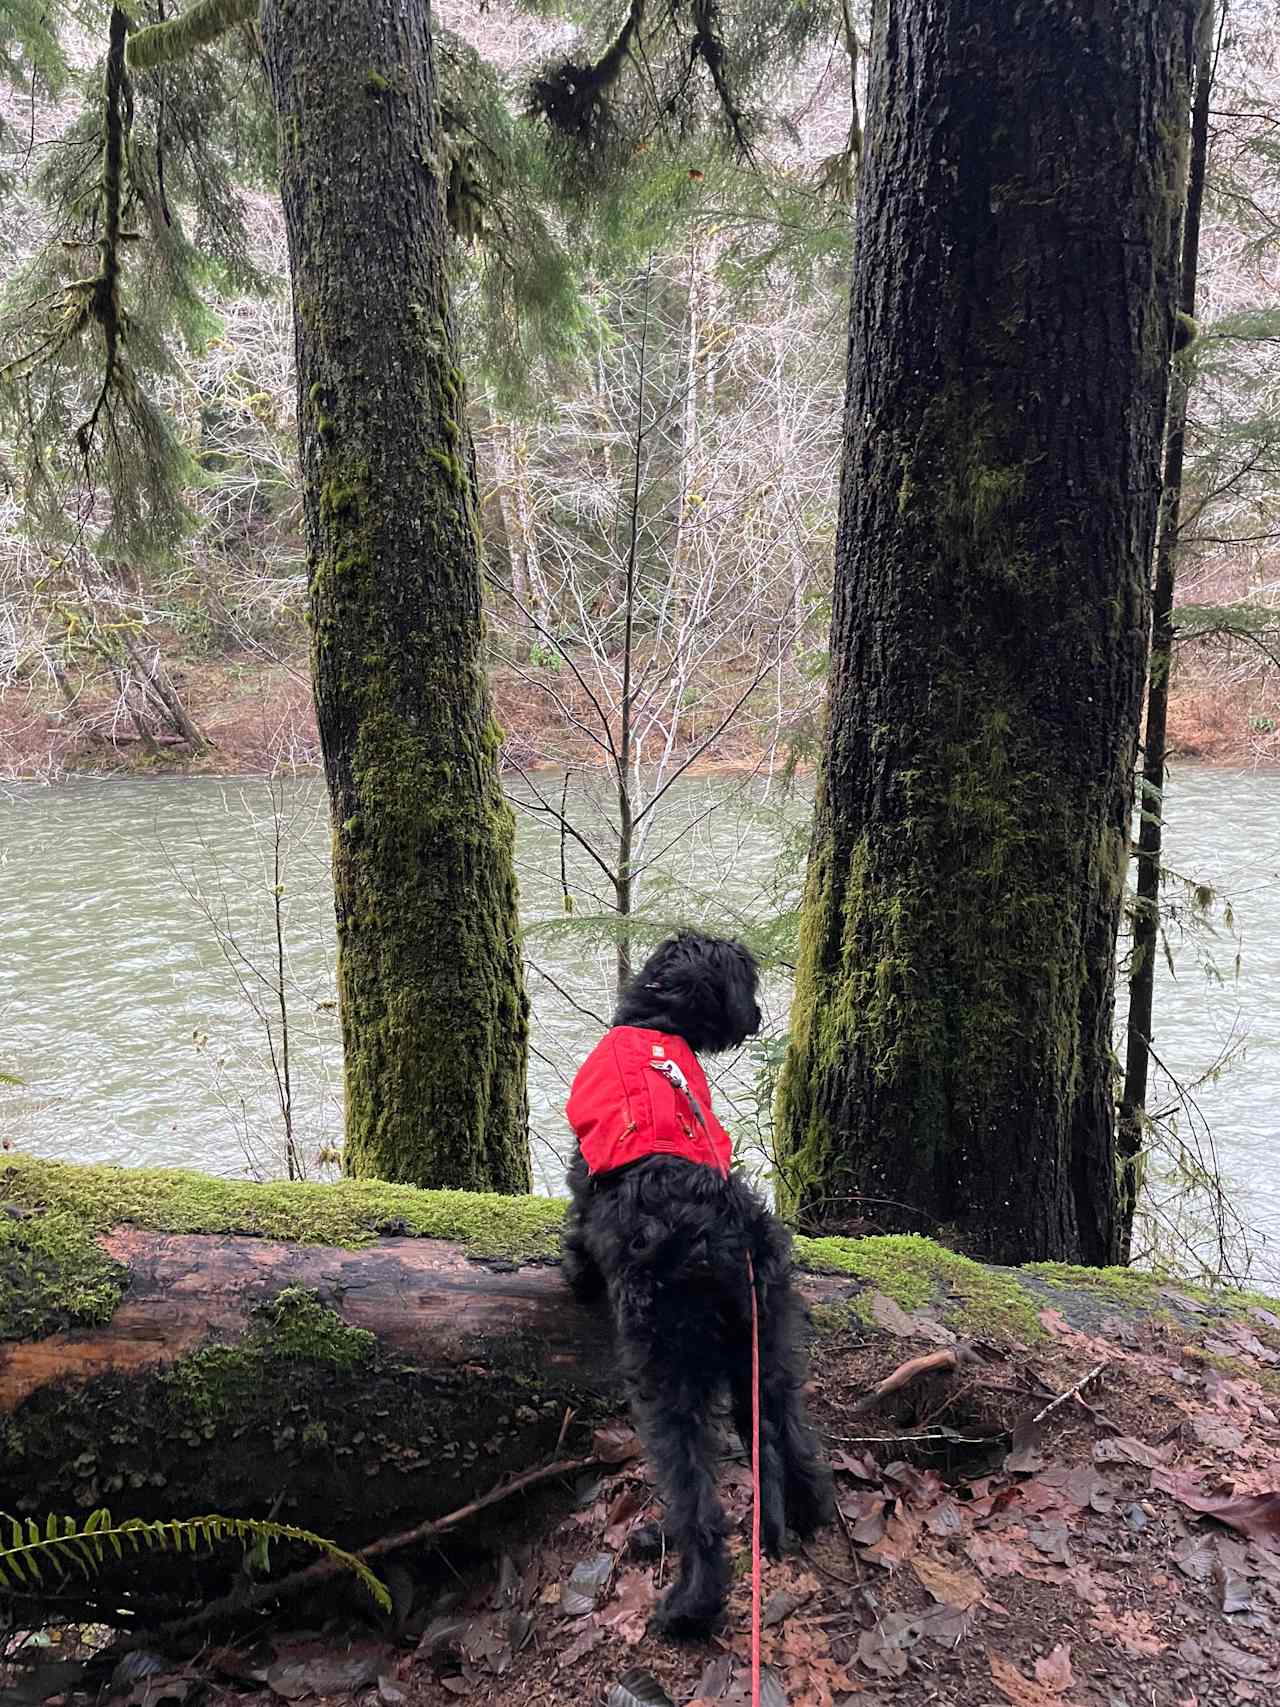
1146	920
434	1015
1011	320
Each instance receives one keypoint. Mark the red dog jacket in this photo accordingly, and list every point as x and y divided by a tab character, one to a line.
642	1093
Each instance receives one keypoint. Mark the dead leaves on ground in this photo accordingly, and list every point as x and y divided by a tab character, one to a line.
1107	1545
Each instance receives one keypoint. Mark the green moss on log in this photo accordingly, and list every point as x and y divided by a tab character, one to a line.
915	1273
216	1385
53	1273
350	1213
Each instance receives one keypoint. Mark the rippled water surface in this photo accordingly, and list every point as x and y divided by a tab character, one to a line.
137	917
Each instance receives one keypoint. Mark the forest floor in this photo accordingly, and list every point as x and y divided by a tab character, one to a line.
260	720
1119	1547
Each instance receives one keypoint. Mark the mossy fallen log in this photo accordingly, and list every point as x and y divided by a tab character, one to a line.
354	1356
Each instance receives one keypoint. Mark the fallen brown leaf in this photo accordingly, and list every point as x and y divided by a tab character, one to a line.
1022	1691
951	1587
616	1444
1124	1449
1255	1515
994	1557
1054	1669
581	1646
627	1614
1135	1631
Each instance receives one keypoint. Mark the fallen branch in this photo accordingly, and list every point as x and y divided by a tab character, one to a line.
1071	1392
950	1357
240	1600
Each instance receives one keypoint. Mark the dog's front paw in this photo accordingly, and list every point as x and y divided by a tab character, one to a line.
686	1617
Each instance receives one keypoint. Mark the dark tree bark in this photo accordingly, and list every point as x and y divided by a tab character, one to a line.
1146	913
1011	319
434	1014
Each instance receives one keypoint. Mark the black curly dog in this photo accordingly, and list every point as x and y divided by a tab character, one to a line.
668	1239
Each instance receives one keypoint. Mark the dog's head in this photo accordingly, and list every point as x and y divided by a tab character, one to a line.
701	988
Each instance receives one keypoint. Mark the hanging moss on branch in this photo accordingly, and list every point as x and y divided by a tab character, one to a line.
584	103
96	299
165	44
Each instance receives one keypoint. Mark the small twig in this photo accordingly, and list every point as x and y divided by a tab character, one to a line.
1071	1392
230	1605
909	1439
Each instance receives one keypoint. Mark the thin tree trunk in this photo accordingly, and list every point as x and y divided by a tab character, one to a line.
511	466
623	883
1010	333
434	1015
1146	919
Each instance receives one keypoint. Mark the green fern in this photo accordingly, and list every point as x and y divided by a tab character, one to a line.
67	1547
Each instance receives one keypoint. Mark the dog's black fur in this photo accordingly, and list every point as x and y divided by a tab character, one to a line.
668	1240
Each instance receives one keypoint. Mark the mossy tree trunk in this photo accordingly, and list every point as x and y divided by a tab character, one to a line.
1012	312
434	1014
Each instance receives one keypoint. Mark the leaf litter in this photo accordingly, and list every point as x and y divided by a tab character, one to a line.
1082	1551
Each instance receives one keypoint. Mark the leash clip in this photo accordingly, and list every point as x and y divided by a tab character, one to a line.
671	1072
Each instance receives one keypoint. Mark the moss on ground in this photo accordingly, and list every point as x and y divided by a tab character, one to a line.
1154	1292
915	1272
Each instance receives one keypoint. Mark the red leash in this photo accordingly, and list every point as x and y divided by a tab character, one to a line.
755	1488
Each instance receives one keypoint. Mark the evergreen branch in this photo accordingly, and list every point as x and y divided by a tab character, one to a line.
708	46
574	99
200	24
67	1546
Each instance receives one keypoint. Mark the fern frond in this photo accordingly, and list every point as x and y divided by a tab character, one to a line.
27	1551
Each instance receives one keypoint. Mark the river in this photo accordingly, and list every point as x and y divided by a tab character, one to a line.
139	919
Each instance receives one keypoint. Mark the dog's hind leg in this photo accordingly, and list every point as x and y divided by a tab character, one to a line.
790	1452
673	1383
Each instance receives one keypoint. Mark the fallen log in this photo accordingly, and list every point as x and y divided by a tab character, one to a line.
350	1357
346	1384
354	1357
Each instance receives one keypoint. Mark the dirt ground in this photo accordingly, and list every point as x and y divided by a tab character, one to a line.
260	719
1119	1547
